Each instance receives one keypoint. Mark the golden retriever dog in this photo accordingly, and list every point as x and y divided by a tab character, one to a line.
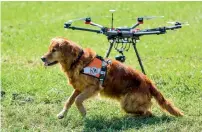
130	87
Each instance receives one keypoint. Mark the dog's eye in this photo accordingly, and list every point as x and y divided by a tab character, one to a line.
53	50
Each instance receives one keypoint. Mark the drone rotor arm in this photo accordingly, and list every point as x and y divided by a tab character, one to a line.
159	30
141	33
140	20
173	27
87	21
134	26
84	29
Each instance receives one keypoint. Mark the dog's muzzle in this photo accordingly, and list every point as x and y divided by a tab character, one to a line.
43	59
46	63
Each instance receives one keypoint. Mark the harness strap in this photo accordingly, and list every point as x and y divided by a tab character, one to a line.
103	73
103	70
97	69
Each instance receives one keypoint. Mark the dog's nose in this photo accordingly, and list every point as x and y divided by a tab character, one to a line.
43	59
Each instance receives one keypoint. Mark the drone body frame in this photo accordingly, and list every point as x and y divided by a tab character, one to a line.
124	36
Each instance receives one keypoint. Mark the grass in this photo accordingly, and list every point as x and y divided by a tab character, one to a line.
34	95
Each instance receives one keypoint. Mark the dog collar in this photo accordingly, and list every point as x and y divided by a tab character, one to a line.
77	59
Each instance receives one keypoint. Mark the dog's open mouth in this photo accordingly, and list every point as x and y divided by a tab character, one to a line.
50	63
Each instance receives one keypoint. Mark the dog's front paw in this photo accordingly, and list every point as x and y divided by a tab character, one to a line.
62	114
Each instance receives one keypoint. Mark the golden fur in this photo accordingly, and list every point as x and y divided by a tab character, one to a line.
130	87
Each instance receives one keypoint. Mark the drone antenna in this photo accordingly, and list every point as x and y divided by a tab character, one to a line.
112	11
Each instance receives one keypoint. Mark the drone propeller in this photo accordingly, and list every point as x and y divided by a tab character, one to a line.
179	23
78	19
84	19
151	17
148	17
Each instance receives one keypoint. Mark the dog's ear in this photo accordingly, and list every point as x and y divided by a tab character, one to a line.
65	48
68	49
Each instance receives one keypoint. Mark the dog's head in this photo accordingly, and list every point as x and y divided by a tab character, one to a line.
60	51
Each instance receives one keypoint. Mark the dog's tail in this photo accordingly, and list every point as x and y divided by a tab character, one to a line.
165	104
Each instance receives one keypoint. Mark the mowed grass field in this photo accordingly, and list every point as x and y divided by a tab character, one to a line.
34	94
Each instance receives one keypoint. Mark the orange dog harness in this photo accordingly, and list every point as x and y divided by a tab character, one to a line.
96	68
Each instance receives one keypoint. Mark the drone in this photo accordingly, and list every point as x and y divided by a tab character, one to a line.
121	38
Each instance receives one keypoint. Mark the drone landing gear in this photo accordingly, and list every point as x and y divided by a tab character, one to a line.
110	48
121	57
138	57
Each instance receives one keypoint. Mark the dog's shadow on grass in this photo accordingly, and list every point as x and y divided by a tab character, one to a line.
100	123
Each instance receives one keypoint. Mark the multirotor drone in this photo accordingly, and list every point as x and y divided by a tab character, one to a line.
123	37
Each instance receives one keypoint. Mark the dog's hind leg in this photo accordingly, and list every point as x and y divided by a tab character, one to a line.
68	104
85	94
136	104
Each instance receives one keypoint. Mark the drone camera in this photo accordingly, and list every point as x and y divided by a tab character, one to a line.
120	58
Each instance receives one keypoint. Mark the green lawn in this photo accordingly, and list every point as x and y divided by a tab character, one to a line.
34	94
